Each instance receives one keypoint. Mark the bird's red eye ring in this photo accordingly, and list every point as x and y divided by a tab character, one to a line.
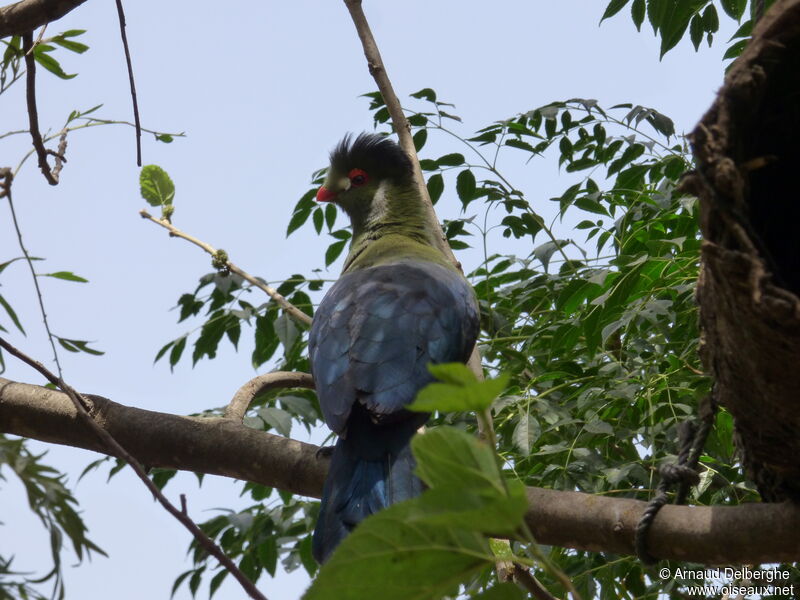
357	177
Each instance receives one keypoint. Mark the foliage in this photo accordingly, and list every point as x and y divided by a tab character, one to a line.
596	335
54	505
48	496
587	309
670	20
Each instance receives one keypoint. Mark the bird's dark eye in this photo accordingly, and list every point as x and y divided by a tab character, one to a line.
357	177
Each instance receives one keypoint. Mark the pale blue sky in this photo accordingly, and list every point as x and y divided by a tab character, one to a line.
263	90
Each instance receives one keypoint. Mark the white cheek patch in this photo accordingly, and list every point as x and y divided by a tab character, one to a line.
380	204
344	184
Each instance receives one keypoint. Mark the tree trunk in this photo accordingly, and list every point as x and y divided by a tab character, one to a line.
748	162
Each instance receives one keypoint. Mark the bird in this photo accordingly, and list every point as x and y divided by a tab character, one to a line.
399	305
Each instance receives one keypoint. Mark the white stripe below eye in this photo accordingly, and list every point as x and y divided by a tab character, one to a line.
380	204
344	184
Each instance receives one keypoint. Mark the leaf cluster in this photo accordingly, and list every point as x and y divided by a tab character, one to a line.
595	332
670	20
52	502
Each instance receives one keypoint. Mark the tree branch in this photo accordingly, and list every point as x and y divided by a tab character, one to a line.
399	121
33	117
83	406
27	15
264	383
525	578
745	534
294	312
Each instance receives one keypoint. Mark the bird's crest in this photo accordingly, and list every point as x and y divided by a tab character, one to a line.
379	156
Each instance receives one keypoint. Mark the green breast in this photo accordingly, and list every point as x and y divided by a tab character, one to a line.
389	249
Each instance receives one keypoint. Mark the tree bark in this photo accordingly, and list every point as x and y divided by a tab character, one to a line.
748	155
27	15
746	534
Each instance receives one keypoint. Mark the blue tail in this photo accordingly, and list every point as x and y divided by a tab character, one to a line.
371	468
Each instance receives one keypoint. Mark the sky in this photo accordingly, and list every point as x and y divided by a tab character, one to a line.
263	91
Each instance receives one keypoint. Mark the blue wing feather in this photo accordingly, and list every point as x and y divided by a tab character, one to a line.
371	341
378	328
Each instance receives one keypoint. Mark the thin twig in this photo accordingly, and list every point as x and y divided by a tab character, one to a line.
290	309
121	14
525	578
264	383
84	407
8	177
90	122
33	115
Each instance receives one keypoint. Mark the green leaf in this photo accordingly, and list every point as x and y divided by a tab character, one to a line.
216	581
637	13
319	219
78	346
465	186
674	21
426	94
435	187
12	315
195	580
710	19
50	63
156	186
65	275
70	45
420	138
696	31
266	341
333	252
179	580
298	218
393	556
424	548
655	12
330	215
177	351
526	433
598	426
460	392
267	552
451	160
544	252
278	419
306	557
613	8
450	457
286	331
735	49
488	509
163	350
734	8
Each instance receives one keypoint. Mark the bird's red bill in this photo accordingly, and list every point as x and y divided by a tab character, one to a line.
325	195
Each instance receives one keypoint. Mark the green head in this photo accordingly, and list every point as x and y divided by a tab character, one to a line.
371	178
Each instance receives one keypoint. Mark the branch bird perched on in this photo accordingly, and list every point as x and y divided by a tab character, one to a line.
398	306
